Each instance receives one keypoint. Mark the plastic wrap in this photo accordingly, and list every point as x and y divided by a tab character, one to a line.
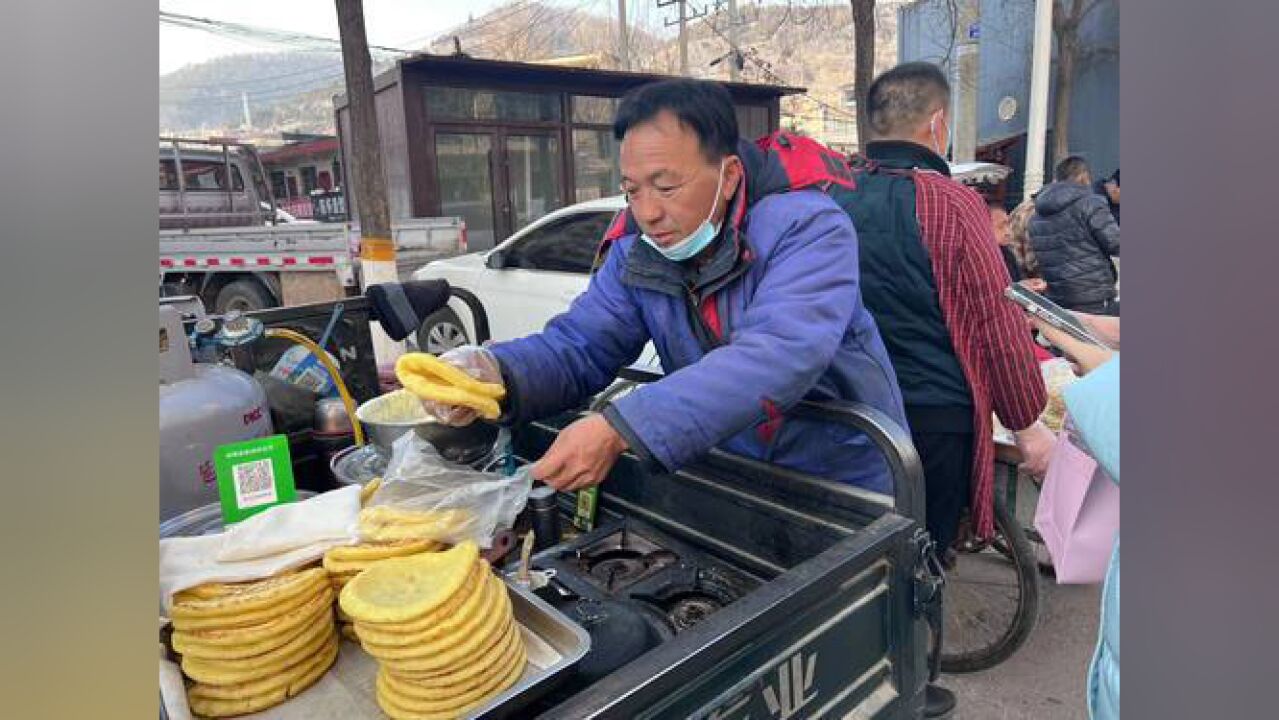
425	496
479	363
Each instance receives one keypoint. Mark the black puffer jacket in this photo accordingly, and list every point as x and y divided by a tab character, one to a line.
1074	236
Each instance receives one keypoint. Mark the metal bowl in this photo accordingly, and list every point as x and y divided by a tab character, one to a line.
388	417
466	445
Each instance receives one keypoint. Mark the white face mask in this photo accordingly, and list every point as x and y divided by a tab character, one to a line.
700	238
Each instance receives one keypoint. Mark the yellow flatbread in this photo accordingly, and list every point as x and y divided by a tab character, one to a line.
400	707
462	651
210	590
247	642
251	618
365	552
208	701
488	663
340	567
250	597
426	368
382	643
384	523
400	589
472	586
226	672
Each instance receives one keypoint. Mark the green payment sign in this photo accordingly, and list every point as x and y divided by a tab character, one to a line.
253	475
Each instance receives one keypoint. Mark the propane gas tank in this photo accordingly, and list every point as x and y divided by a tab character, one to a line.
202	406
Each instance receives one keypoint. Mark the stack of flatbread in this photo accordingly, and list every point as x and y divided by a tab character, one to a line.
441	627
345	562
252	645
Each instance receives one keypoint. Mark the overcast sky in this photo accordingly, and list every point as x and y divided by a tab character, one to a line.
393	23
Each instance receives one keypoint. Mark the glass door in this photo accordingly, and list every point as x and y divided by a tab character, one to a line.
464	175
532	166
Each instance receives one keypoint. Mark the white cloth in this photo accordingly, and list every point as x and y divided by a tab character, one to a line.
275	540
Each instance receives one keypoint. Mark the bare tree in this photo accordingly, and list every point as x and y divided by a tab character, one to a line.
863	62
1068	15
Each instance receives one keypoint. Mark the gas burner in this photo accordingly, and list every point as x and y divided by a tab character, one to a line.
619	560
614	566
684	603
688	609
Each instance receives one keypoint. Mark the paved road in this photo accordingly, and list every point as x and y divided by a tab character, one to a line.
1045	680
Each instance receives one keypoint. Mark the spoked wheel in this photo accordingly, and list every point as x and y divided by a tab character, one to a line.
991	601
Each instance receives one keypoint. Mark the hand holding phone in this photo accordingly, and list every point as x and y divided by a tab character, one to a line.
1052	314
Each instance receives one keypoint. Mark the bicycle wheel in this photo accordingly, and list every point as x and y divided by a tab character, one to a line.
991	600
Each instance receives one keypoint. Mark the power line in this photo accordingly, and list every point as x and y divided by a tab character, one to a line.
769	72
280	37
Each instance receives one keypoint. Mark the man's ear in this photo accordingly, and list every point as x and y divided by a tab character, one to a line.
733	174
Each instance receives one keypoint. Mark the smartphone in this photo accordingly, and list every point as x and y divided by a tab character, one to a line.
1051	313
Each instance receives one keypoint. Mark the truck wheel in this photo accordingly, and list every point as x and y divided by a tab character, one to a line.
441	331
242	295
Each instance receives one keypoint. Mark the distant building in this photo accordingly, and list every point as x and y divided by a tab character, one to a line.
1006	32
304	165
502	143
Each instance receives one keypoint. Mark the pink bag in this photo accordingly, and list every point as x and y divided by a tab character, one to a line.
1078	514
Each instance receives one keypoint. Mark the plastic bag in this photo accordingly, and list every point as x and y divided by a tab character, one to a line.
425	496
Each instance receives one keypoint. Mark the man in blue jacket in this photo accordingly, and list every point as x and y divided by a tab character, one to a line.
748	291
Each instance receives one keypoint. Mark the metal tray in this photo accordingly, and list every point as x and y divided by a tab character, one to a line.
564	636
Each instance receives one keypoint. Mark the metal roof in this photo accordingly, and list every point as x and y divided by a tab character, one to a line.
477	72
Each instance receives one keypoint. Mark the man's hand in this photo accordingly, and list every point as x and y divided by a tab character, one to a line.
479	363
1034	284
1036	445
581	455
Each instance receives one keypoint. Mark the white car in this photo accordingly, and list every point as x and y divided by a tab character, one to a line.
526	280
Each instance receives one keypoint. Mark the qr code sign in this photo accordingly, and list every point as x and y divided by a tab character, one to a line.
254	483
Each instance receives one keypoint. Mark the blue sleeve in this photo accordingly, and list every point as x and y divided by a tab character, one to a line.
779	348
578	353
1093	402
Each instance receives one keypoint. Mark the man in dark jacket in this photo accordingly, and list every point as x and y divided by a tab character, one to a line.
933	278
1074	237
1108	188
752	302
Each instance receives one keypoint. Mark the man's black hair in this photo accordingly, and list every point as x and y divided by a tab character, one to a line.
903	97
703	106
1070	169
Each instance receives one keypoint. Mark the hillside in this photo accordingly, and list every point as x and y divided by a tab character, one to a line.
810	47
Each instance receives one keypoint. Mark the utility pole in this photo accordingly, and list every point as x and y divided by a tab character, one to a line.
377	250
248	120
1037	122
683	21
683	38
734	73
967	61
623	37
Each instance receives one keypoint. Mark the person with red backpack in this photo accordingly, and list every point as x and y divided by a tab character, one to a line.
743	273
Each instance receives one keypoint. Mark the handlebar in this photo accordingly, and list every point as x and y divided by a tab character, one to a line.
892	439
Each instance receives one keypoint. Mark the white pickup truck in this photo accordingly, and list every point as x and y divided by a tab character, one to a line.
223	239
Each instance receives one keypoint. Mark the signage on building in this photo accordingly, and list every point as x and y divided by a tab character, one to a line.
329	206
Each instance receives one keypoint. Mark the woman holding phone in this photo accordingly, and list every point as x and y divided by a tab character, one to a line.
1093	403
